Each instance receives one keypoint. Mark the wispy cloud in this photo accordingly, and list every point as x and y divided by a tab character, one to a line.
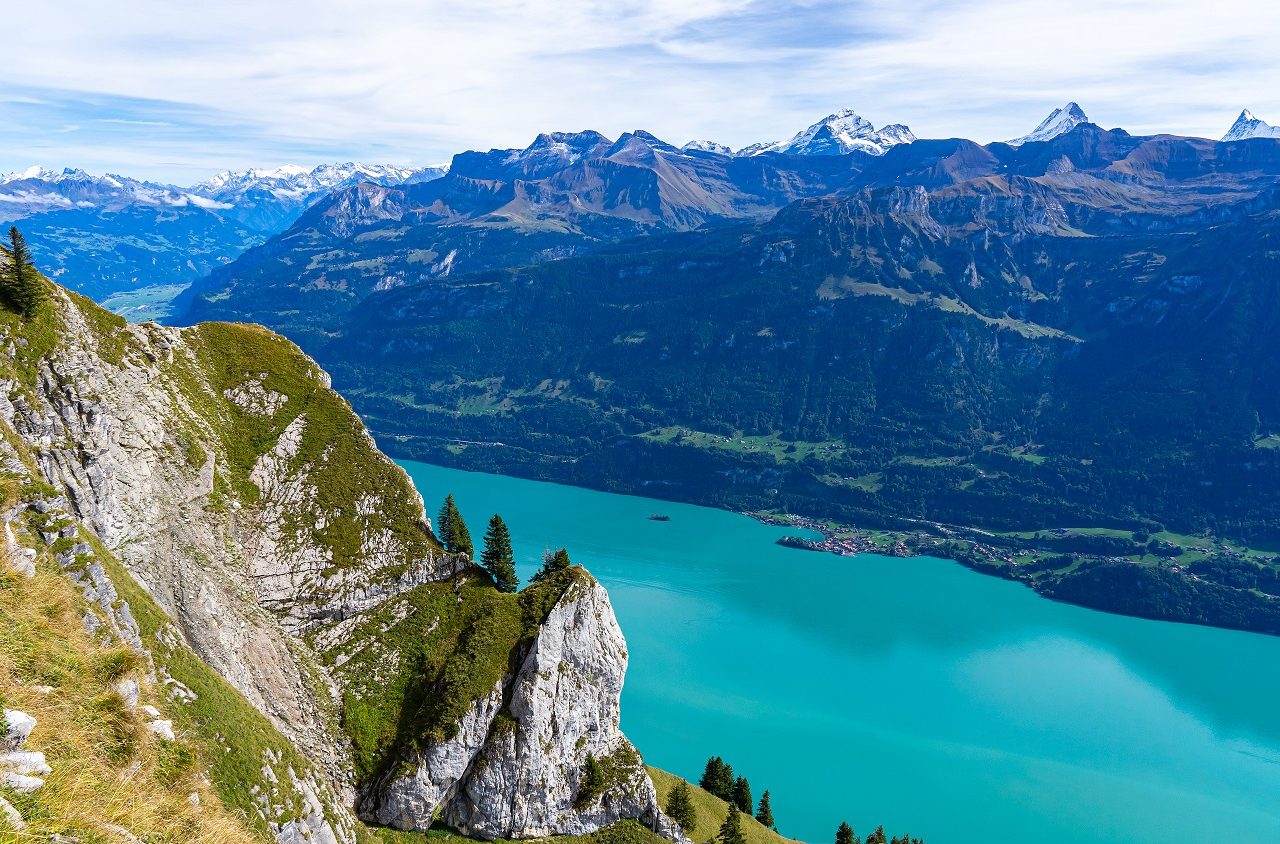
171	90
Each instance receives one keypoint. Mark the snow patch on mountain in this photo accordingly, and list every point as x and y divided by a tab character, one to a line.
1248	126
1059	122
841	133
707	146
293	182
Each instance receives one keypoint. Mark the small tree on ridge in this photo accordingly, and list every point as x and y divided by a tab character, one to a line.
498	558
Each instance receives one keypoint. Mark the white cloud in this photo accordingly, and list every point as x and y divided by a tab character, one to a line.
426	78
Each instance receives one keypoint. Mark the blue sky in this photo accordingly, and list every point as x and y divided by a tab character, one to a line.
176	89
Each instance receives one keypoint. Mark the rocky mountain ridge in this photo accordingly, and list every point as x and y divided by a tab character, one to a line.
231	522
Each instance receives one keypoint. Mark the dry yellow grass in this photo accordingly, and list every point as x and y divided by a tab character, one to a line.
109	772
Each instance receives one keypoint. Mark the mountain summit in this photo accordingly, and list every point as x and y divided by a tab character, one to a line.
1059	122
1248	126
841	133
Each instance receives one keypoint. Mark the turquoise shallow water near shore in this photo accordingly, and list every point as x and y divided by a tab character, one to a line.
910	692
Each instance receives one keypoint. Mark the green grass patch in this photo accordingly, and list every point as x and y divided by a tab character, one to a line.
711	812
772	445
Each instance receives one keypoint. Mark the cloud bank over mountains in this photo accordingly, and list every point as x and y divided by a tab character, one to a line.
172	93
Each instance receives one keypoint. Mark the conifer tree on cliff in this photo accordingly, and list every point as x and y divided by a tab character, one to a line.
844	835
498	558
452	530
21	284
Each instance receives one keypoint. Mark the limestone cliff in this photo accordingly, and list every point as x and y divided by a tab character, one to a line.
514	766
213	467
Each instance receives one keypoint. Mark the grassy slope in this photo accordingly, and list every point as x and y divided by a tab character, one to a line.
91	739
711	813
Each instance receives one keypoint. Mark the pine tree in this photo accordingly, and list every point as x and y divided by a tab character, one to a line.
725	783
878	837
452	530
764	812
552	563
731	829
711	774
444	522
462	537
742	795
22	286
498	557
844	835
680	807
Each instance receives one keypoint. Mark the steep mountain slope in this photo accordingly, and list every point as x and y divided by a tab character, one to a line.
565	194
1013	336
62	685
233	526
107	234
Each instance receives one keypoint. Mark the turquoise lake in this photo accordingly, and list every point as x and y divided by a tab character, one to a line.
910	692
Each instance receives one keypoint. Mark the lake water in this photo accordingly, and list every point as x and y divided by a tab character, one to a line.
911	692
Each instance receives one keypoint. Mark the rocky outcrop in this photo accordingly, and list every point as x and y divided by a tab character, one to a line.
519	773
21	770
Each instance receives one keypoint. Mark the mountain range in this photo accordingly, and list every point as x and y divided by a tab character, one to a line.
107	234
1010	336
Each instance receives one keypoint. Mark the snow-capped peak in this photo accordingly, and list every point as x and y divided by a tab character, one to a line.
707	146
43	174
1248	126
841	133
1061	121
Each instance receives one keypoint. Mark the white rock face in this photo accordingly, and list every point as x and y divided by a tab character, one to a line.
20	725
520	778
128	691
